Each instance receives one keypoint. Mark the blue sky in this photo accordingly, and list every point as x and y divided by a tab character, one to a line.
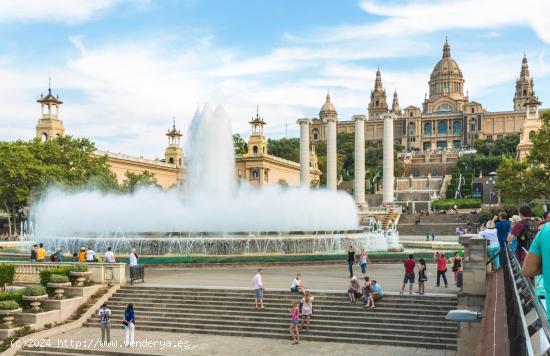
125	68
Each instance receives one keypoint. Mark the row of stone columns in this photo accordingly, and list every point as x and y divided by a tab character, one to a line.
359	182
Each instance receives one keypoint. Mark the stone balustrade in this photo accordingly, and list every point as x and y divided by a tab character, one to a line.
101	273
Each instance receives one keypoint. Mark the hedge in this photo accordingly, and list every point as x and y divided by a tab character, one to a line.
58	278
46	274
34	291
7	273
8	305
16	296
460	203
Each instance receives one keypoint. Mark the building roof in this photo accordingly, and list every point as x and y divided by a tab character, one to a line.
446	67
328	107
49	98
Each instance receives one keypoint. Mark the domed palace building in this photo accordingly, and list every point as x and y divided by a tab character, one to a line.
448	121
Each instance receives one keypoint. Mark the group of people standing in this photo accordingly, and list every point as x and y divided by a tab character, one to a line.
129	323
38	254
410	265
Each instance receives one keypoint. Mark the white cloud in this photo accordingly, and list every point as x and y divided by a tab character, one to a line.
67	11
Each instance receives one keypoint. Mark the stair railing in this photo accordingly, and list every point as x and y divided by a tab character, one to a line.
525	313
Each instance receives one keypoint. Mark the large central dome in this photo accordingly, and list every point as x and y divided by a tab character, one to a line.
446	78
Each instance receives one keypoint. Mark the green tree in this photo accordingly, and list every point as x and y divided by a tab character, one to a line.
525	181
489	155
240	145
29	167
134	181
287	148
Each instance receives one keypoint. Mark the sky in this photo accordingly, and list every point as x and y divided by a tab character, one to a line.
125	68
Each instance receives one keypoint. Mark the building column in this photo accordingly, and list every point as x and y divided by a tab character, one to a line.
359	164
388	159
331	153
304	151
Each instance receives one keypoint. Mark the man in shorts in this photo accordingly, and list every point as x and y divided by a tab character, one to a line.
259	289
409	265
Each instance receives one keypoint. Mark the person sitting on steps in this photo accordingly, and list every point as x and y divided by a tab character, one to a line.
297	285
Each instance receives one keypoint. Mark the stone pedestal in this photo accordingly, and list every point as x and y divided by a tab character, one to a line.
475	270
359	164
304	151
331	153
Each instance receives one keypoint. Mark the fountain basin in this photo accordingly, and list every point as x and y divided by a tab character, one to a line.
161	244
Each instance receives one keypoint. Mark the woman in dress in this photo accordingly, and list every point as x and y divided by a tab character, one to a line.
456	262
307	309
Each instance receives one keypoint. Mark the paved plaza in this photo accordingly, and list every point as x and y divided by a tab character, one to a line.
200	344
315	277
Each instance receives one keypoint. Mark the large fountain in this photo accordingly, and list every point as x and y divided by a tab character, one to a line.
216	215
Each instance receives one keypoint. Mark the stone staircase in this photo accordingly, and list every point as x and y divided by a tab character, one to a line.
440	224
409	321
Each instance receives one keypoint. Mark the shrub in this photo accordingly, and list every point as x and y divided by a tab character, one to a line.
46	274
58	278
9	305
7	272
80	267
17	296
460	203
34	291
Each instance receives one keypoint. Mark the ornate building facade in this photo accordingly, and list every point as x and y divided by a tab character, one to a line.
448	119
257	166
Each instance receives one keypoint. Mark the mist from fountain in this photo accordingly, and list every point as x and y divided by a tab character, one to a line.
214	202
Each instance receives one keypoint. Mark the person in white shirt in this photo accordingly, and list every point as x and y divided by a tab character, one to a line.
259	288
109	256
493	247
297	285
90	255
104	321
133	258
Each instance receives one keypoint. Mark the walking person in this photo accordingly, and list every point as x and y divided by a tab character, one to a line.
456	262
351	260
105	323
258	288
422	277
129	325
307	310
409	265
363	260
294	322
441	261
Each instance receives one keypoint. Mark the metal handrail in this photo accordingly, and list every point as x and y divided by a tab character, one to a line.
525	300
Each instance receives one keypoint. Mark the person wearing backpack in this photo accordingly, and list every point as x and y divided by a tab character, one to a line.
524	231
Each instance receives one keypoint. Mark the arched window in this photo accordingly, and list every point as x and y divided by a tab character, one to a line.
376	104
442	127
524	92
473	110
255	150
411	114
531	134
255	174
457	127
428	128
315	134
171	160
44	137
179	161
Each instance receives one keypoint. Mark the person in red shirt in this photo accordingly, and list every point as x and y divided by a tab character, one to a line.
441	261
409	265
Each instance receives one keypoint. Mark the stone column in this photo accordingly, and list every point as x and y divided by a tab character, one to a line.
359	164
331	153
304	151
388	158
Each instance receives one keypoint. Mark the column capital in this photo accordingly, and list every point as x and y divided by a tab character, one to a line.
389	116
359	118
303	120
330	119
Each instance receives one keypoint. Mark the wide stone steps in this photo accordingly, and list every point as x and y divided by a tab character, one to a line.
416	321
355	318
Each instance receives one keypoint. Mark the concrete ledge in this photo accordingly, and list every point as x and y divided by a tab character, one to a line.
66	306
39	319
4	333
85	292
44	334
